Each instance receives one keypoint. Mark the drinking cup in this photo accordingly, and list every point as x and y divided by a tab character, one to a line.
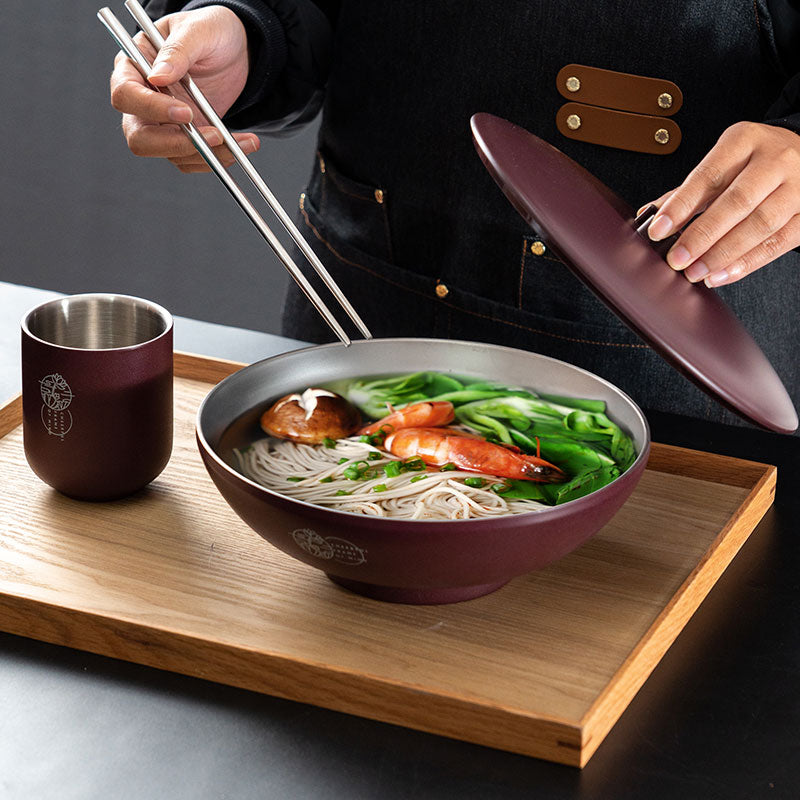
97	393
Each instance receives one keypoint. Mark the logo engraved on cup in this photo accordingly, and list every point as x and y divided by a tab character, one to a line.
57	423
55	392
328	548
57	396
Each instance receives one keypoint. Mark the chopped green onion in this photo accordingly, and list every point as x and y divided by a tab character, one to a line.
342	460
381	487
475	483
418	478
447	467
326	480
392	469
342	492
294	479
374	455
364	438
414	464
329	443
499	488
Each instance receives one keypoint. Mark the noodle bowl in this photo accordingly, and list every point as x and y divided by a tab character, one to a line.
418	560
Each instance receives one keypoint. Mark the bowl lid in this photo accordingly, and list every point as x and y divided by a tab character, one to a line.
596	235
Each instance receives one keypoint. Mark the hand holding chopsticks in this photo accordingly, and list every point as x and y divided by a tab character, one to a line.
130	49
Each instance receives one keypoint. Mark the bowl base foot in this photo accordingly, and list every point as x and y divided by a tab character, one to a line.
418	597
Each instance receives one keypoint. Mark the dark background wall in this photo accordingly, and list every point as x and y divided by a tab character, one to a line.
79	212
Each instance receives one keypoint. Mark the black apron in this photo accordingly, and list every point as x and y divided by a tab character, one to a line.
412	227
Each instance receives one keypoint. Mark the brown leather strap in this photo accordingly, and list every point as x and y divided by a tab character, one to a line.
619	90
639	132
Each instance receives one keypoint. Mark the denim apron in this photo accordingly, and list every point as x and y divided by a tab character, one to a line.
412	227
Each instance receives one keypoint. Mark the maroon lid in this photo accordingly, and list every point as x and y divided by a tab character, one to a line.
593	231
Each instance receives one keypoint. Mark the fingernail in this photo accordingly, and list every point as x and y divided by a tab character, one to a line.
180	113
646	205
696	272
679	257
161	69
248	146
660	228
717	278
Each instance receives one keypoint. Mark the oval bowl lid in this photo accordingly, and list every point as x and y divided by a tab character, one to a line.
593	232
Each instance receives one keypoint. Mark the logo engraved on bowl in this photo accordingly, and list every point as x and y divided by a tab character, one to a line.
328	548
346	552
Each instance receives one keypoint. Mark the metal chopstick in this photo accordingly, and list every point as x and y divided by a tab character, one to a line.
157	40
129	47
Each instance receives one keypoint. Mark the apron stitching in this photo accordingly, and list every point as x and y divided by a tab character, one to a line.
323	181
388	229
522	271
329	174
450	305
758	20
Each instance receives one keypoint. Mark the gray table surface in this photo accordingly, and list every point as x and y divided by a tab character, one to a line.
718	718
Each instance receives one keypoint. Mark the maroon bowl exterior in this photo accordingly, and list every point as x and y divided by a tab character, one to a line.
110	434
437	561
409	561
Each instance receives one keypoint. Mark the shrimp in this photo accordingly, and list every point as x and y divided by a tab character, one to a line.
438	447
416	415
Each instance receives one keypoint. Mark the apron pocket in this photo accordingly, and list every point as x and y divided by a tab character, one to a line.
358	211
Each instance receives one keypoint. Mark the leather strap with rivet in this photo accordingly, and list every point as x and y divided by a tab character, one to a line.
617	109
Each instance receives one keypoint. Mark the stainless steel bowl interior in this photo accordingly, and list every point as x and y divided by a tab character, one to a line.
260	383
97	321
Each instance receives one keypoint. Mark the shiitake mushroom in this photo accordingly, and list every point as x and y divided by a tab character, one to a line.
311	417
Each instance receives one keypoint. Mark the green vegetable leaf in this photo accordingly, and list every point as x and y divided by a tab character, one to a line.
371	396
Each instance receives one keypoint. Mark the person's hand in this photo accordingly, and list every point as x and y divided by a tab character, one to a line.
747	194
211	43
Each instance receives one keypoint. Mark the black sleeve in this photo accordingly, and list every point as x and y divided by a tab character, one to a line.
784	30
290	43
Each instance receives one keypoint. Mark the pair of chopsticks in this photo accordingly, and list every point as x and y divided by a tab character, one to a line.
129	47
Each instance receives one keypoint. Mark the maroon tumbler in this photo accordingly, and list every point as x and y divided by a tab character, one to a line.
97	393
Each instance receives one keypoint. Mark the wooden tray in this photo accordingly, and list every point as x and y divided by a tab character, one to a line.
172	579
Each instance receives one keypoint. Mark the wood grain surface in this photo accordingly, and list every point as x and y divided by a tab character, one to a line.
173	579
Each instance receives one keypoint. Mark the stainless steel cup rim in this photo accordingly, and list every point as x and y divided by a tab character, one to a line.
161	321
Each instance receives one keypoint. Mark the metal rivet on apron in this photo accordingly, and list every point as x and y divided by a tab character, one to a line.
442	290
662	136
379	195
573	84
665	100
573	122
538	248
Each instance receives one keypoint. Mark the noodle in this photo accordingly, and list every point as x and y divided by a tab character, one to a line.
313	474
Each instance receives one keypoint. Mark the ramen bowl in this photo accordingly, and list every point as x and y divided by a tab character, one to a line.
409	561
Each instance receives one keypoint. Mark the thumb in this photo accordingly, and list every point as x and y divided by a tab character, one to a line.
182	48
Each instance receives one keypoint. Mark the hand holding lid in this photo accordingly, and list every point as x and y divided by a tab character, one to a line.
593	231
